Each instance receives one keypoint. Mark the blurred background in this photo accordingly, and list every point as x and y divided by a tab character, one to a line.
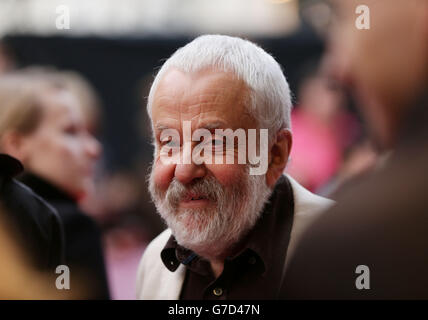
117	46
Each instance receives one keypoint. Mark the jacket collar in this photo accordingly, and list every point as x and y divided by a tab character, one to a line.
10	166
44	188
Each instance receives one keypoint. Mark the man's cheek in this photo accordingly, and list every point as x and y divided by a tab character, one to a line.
163	175
227	174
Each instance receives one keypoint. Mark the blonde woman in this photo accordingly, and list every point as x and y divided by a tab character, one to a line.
42	123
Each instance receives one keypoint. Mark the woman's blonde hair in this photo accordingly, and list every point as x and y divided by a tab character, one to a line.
21	107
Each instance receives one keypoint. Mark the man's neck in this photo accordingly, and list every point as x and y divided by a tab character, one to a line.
217	267
217	262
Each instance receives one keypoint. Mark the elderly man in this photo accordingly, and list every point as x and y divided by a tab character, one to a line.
230	225
374	243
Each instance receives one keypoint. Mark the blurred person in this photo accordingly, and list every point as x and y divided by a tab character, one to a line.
359	160
89	102
374	243
89	107
18	277
219	215
35	224
322	129
44	127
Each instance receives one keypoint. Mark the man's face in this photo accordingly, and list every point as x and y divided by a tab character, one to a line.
384	65
207	206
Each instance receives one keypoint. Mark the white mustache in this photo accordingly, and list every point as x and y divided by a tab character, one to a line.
209	187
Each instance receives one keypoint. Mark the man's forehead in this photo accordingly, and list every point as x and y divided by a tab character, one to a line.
209	99
205	85
203	121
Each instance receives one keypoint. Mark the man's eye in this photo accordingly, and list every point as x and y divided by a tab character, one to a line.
170	143
217	142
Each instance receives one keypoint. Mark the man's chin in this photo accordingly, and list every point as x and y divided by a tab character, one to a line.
190	231
195	204
189	223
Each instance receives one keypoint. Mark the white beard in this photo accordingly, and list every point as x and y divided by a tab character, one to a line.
211	231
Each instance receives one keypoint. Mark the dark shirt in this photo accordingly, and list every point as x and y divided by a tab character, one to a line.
254	272
83	250
35	224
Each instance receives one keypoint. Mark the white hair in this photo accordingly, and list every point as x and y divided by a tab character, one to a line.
269	101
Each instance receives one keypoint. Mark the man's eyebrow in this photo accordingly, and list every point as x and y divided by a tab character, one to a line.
161	126
213	125
207	125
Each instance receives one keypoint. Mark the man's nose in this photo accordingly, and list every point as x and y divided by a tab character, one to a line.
186	173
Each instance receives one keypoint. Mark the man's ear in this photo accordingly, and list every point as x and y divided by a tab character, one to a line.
13	144
278	156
